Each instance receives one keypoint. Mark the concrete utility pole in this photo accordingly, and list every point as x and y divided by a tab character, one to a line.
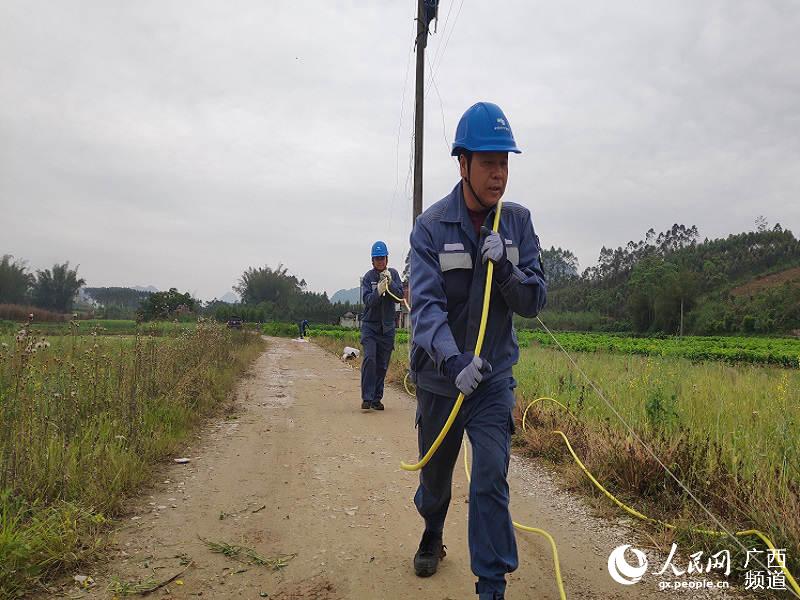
419	107
425	14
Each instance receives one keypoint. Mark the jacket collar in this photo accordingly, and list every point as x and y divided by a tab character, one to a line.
455	206
456	212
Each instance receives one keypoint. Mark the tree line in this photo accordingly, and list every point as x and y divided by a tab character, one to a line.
268	294
51	289
275	294
671	282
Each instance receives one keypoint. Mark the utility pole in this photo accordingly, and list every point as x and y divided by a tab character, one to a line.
427	11
423	25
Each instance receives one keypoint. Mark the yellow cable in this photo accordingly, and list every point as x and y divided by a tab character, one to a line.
454	412
481	333
637	514
457	406
527	408
405	385
403	300
542	532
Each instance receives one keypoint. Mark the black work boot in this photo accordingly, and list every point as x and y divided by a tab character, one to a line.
365	405
377	405
430	552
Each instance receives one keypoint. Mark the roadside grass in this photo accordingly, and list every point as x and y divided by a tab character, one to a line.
730	433
82	419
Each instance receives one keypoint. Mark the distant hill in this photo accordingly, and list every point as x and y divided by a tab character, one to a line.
351	296
754	286
670	282
230	298
150	288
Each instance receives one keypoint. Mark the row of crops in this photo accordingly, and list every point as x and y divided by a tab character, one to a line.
756	350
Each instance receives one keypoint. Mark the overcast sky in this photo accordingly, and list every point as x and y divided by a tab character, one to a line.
175	144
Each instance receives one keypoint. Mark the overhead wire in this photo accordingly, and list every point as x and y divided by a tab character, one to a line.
441	108
722	532
649	450
399	130
433	67
795	587
447	41
444	30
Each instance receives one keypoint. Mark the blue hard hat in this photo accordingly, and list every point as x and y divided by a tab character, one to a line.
484	128
379	249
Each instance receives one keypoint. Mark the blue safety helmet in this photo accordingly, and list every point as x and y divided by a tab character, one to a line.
379	249
484	128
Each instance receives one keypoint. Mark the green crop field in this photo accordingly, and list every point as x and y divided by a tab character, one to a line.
759	350
756	350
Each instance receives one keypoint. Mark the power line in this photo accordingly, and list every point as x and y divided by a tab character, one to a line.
441	107
447	41
444	30
399	129
650	451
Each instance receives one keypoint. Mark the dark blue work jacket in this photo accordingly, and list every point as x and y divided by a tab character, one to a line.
379	310
447	285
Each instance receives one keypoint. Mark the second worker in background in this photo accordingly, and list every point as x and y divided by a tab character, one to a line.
377	325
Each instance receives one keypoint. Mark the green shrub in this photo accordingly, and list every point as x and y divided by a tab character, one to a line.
277	329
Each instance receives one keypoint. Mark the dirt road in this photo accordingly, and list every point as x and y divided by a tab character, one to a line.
301	470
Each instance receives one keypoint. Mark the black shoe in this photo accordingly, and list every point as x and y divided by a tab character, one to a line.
377	405
431	551
365	405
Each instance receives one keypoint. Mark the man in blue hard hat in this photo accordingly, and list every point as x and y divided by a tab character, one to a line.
450	245
377	325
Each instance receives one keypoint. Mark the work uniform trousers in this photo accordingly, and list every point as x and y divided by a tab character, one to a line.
486	417
377	352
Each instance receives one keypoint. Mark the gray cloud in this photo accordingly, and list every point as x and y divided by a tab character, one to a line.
177	143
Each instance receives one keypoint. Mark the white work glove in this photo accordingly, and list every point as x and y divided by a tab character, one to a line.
383	285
